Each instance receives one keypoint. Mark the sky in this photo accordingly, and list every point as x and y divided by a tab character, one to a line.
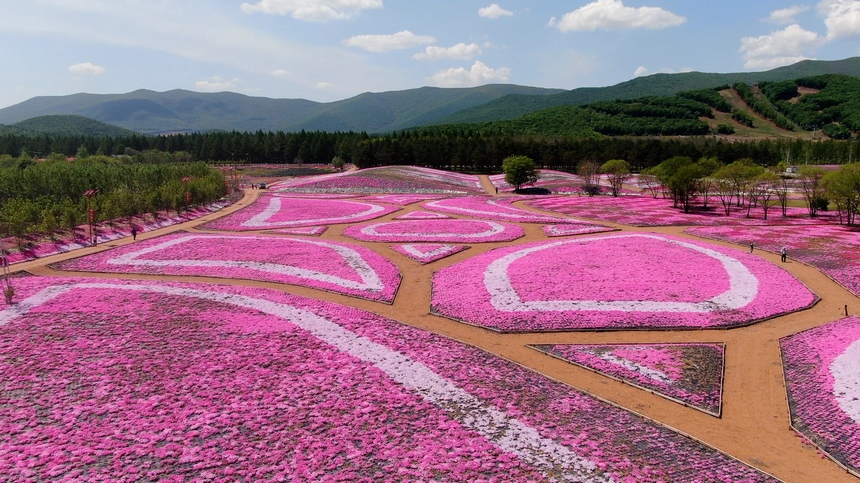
328	50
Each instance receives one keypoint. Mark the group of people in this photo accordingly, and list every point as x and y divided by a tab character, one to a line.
783	252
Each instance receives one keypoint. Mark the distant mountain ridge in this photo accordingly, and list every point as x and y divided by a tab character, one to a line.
151	112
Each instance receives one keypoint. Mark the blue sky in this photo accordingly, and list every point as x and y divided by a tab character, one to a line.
326	50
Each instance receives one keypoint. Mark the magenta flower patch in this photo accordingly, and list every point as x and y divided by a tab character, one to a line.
822	376
324	265
489	208
444	231
566	229
273	211
422	215
631	281
110	380
427	252
403	199
691	374
387	179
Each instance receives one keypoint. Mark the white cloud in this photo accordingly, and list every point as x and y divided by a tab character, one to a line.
494	11
322	85
478	74
785	16
313	10
613	15
86	68
640	71
281	73
460	51
383	43
217	84
842	18
782	47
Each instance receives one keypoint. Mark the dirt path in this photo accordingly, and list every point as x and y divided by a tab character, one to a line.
754	426
487	185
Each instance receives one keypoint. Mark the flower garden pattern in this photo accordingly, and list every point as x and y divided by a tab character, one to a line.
691	374
489	208
336	267
422	215
270	212
822	366
201	381
629	281
302	230
647	211
443	231
388	179
427	252
832	249
566	229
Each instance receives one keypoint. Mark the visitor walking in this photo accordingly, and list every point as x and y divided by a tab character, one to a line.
752	247
783	254
134	233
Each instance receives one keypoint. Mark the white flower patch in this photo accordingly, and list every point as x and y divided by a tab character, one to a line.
493	228
261	220
845	370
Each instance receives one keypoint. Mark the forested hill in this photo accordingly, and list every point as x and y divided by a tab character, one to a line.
60	125
827	105
514	106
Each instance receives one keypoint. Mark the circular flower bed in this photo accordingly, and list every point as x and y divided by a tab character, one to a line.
112	380
822	376
282	212
445	231
631	281
336	267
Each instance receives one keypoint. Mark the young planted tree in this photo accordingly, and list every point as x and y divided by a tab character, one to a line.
813	189
589	171
519	170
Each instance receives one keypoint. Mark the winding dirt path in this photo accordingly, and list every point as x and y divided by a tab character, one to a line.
754	426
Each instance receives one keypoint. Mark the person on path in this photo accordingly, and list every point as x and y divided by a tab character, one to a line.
783	254
134	233
752	247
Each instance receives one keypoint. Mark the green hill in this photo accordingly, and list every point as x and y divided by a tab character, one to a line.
510	107
58	125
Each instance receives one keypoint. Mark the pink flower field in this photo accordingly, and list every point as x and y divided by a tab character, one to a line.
822	376
428	252
422	215
111	380
281	212
302	230
489	208
565	229
323	265
691	374
443	231
629	281
388	179
833	249
644	210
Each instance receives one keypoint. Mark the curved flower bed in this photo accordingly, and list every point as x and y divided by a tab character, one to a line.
282	212
111	380
403	199
302	230
648	211
566	229
387	179
489	208
427	252
822	366
691	374
829	248
335	267
631	281
444	231
422	215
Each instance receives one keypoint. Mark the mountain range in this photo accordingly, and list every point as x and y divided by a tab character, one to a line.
151	112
